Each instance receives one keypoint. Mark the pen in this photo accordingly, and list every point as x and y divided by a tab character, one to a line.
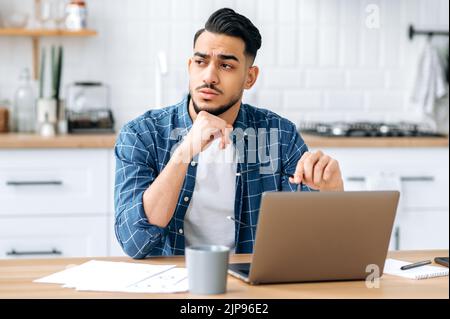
282	173
418	264
237	221
252	170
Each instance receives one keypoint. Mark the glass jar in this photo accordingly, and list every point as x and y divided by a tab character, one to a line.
76	15
24	112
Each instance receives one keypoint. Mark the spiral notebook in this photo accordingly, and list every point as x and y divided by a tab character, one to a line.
392	267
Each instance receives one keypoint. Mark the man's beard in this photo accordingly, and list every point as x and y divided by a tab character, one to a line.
217	111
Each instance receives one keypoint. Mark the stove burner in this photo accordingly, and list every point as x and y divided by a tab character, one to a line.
367	129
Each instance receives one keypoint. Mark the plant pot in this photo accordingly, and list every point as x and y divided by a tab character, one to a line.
47	110
47	116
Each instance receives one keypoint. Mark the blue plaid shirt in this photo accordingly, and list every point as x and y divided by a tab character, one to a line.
143	149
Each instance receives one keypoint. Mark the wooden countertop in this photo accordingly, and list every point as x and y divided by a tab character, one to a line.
16	281
26	141
23	141
359	142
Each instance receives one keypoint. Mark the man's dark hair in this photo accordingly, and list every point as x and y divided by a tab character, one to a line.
227	21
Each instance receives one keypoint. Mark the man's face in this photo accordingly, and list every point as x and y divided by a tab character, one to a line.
218	72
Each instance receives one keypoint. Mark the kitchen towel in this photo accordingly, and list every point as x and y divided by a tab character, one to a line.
430	84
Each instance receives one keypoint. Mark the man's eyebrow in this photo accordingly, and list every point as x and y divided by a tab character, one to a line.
221	56
228	57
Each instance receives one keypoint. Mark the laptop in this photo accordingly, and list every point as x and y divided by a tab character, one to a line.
320	236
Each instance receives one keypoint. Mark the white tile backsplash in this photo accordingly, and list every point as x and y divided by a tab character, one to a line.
328	46
287	12
319	59
368	79
343	100
303	99
325	78
286	46
276	78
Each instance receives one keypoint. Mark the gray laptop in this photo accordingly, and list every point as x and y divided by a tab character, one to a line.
320	236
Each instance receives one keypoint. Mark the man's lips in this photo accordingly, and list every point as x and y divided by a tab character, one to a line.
208	94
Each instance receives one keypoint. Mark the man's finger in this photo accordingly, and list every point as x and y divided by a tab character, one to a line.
216	122
319	169
226	133
309	166
299	172
330	169
299	169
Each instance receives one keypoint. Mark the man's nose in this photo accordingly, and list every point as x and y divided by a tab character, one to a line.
210	75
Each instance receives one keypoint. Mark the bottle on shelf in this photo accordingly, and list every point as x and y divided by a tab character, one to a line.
24	110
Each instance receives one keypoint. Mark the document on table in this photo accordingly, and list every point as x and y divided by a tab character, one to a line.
392	267
121	277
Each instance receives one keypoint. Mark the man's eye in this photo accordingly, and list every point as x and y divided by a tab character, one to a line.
227	66
199	62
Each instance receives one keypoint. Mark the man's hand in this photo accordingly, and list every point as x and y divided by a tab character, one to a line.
318	171
206	128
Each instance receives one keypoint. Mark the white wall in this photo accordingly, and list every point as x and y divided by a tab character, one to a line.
319	60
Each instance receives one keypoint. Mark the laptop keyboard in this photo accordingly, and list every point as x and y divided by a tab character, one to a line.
243	268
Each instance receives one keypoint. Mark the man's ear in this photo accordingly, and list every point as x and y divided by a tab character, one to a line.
189	62
252	76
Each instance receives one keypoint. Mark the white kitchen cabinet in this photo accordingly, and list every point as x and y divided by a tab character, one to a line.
424	230
47	237
422	177
55	202
114	247
35	182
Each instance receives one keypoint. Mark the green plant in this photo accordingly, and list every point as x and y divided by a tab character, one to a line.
56	72
57	58
42	74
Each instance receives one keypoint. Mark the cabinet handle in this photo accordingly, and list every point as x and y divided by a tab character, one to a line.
397	238
403	179
417	178
14	252
356	179
33	183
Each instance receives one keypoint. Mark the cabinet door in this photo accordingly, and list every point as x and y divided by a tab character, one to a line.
47	237
53	182
424	230
422	177
114	248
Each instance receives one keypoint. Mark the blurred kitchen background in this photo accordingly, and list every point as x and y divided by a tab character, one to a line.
339	69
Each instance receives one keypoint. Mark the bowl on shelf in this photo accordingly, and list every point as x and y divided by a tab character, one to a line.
16	20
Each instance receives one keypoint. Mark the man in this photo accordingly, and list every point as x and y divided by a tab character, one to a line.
174	185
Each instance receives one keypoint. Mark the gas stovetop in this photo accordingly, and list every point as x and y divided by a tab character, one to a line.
367	129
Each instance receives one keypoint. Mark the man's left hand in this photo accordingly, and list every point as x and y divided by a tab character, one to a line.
318	171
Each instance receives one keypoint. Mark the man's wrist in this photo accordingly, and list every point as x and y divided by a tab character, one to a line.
182	154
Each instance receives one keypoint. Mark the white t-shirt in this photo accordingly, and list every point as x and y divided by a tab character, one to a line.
213	199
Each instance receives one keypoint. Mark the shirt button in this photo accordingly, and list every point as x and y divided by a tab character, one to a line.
186	199
180	230
193	163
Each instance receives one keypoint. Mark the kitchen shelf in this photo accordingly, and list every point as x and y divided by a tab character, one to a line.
36	34
45	32
29	141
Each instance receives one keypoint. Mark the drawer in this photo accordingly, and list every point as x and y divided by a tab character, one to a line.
426	189
53	237
424	230
49	182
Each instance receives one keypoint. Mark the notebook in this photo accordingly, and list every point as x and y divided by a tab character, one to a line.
392	267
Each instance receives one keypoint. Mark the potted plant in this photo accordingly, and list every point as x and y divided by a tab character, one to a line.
50	109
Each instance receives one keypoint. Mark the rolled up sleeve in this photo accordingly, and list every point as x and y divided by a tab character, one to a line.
135	172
